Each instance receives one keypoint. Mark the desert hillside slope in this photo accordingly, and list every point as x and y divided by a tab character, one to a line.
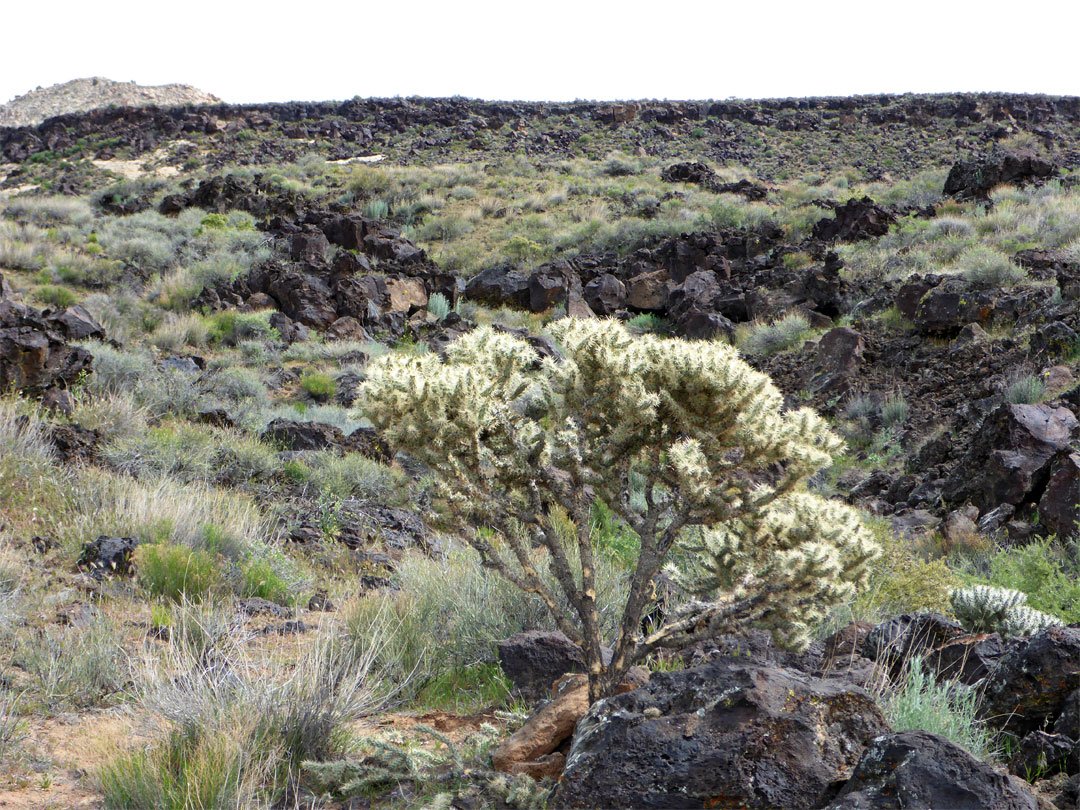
80	95
338	439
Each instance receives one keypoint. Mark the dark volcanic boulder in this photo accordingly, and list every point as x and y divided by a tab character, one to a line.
917	770
951	305
839	353
108	555
1011	455
605	295
534	660
303	435
726	734
295	436
973	179
1041	754
689	172
34	353
855	220
968	659
896	640
75	323
1059	508
500	286
1030	686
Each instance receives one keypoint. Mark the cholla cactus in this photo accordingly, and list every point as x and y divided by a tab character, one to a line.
983	609
523	447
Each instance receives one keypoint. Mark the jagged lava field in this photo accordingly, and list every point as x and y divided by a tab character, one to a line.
422	453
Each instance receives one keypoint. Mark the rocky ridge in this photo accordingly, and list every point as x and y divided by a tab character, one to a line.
81	95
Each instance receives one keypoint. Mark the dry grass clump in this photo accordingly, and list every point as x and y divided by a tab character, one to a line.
236	729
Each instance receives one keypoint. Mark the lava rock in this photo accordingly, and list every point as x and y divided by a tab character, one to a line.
1029	687
535	659
1059	507
917	770
974	179
855	220
895	641
294	436
1041	755
968	659
726	734
1011	452
605	294
108	555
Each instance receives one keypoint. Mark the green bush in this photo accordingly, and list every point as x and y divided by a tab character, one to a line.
894	411
318	386
449	615
215	222
175	572
438	305
56	296
231	327
1045	572
260	579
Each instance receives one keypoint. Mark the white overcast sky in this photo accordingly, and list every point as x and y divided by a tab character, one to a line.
553	50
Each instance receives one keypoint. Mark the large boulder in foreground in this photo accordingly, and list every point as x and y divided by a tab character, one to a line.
725	734
917	770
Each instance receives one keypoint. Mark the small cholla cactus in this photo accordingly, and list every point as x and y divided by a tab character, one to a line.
983	609
683	441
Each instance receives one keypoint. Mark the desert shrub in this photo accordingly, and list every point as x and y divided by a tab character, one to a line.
174	572
448	615
178	449
48	211
990	268
237	733
55	296
983	609
1026	390
215	222
74	667
949	226
150	252
438	305
764	339
919	703
231	327
648	322
178	331
376	209
860	407
235	384
513	444
902	582
12	726
117	371
894	411
620	165
355	476
259	578
318	385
